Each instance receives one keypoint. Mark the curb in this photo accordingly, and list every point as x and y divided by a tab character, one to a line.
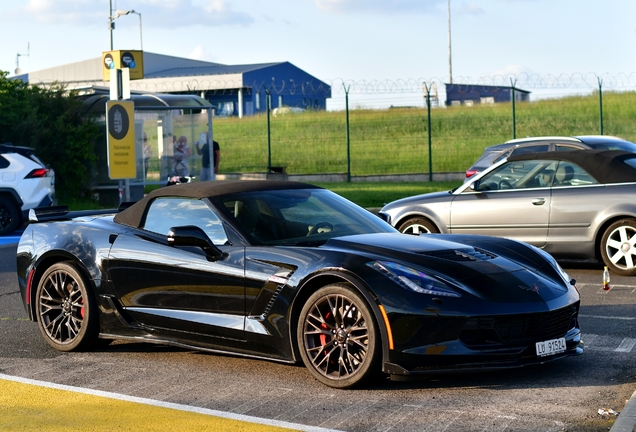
626	421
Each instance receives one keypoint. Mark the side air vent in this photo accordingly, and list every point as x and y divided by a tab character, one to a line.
468	254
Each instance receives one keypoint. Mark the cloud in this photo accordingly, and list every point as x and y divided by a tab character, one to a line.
197	54
155	13
378	6
470	9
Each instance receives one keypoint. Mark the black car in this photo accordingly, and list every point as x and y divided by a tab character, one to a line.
288	271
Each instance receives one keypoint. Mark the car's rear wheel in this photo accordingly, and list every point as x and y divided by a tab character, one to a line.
66	311
618	247
9	216
338	338
417	225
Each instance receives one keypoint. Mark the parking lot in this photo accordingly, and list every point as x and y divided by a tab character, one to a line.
564	395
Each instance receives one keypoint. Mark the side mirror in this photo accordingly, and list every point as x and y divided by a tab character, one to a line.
474	186
191	235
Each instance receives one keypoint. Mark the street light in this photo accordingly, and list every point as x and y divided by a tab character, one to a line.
119	13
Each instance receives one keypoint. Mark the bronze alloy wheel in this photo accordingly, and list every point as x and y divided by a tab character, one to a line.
66	314
338	337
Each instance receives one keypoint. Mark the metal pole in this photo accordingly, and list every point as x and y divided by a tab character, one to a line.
600	105
110	23
348	136
450	62
514	115
430	136
268	103
141	40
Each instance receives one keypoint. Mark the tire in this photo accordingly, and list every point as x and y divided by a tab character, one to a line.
618	247
66	311
9	216
338	338
417	225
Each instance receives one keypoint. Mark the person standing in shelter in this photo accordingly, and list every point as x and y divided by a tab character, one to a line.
207	171
181	157
147	154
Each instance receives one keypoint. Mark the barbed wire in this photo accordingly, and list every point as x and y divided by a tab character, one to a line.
339	86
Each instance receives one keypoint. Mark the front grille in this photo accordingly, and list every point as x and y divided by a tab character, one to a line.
518	330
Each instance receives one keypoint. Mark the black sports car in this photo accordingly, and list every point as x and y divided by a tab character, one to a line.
288	271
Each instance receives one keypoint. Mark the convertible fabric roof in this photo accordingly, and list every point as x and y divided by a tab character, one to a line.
606	166
133	215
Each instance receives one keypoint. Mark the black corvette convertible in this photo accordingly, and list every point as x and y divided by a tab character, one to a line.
288	271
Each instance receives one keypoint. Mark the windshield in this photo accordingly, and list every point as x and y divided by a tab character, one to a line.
299	217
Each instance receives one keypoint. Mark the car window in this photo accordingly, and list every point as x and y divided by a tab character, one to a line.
4	163
631	162
569	174
293	217
531	149
566	147
519	175
167	212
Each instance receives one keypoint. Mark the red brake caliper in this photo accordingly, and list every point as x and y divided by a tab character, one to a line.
323	337
82	308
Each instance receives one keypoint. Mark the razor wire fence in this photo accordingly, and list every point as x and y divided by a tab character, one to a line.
381	128
405	126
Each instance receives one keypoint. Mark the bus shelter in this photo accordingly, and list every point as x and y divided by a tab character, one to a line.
170	130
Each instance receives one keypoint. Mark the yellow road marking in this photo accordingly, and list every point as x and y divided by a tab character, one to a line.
27	405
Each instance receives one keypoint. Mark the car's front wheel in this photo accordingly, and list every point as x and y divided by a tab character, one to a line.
9	216
417	225
338	338
618	247
67	313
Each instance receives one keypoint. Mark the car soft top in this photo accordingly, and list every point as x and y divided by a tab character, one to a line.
606	166
133	216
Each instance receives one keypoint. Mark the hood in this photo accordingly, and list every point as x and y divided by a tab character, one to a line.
418	199
499	270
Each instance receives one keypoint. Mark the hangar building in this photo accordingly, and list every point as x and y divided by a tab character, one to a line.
231	89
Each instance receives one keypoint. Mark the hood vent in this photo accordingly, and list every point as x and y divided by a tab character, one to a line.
472	254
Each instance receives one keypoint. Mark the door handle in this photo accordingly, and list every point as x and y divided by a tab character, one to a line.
538	201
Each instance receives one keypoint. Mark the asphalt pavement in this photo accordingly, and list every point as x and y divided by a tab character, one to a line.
36	397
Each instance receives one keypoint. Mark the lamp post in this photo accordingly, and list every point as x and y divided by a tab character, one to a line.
111	24
119	13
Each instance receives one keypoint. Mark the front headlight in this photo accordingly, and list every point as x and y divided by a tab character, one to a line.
413	280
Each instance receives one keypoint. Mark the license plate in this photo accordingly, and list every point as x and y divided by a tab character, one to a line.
550	347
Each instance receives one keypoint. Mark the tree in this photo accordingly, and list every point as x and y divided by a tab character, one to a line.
50	120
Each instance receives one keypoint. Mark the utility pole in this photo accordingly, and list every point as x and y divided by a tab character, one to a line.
450	60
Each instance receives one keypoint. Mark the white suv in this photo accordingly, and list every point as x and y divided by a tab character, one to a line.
25	183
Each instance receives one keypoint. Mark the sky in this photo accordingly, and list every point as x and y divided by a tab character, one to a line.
372	46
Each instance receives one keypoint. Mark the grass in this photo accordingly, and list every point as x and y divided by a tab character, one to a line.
377	194
364	194
395	141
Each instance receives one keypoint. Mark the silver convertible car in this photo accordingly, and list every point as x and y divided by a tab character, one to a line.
575	204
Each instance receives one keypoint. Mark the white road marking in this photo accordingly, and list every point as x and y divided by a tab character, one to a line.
180	407
608	317
626	345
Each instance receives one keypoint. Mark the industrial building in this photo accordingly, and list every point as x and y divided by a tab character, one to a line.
236	90
471	94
